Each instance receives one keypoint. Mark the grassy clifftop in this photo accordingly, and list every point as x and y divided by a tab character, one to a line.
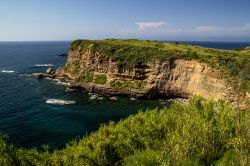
233	64
143	50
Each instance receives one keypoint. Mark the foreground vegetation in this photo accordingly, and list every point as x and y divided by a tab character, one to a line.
194	133
233	64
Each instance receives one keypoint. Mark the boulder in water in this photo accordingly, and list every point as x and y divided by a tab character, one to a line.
49	70
38	75
43	75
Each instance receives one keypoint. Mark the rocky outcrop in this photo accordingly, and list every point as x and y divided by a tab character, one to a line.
48	74
156	79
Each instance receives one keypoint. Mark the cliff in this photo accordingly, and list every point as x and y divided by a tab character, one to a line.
145	69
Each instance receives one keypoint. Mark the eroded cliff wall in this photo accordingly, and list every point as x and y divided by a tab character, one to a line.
156	79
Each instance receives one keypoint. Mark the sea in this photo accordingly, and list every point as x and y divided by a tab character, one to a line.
41	112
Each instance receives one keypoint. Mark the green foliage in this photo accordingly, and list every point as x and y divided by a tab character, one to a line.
73	66
75	44
100	79
147	158
195	133
86	76
123	84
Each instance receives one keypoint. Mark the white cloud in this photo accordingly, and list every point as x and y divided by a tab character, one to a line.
162	29
150	29
149	25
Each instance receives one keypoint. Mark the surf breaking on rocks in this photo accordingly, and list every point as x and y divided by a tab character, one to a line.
60	102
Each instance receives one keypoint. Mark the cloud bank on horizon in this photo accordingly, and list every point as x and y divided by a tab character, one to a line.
165	30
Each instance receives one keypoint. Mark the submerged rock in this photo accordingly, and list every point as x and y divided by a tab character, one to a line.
38	75
63	55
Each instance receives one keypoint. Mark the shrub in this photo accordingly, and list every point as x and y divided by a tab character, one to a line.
100	79
86	76
123	84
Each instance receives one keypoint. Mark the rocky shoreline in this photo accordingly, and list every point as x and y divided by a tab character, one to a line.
105	90
92	88
173	78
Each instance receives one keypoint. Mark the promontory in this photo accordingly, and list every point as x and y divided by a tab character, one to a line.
152	69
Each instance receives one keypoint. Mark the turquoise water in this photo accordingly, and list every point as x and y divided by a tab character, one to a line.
24	114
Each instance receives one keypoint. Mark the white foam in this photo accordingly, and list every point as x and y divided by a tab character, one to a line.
47	78
63	83
24	75
60	102
100	98
44	65
113	98
58	82
69	90
93	97
7	71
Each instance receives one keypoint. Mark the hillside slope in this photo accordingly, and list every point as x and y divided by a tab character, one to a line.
195	133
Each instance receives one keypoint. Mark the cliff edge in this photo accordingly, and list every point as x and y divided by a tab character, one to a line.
147	69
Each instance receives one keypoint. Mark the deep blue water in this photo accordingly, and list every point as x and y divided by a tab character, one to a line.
26	117
24	114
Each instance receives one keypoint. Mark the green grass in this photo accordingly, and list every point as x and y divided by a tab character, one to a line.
123	84
72	66
86	76
194	133
100	79
136	53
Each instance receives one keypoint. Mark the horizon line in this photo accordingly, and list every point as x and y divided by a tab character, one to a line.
225	41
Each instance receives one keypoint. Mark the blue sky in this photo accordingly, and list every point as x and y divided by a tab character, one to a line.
203	20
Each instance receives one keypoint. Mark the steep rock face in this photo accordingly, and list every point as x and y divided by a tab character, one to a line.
185	78
172	78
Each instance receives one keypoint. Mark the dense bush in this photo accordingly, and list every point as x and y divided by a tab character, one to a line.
123	84
100	79
194	133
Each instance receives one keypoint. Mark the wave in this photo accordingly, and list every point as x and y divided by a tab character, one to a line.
132	98
100	98
7	71
60	102
24	75
115	98
58	82
44	65
95	97
69	89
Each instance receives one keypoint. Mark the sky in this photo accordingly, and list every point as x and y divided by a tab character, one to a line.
182	20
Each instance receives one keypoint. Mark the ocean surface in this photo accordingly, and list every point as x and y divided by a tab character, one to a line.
37	112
